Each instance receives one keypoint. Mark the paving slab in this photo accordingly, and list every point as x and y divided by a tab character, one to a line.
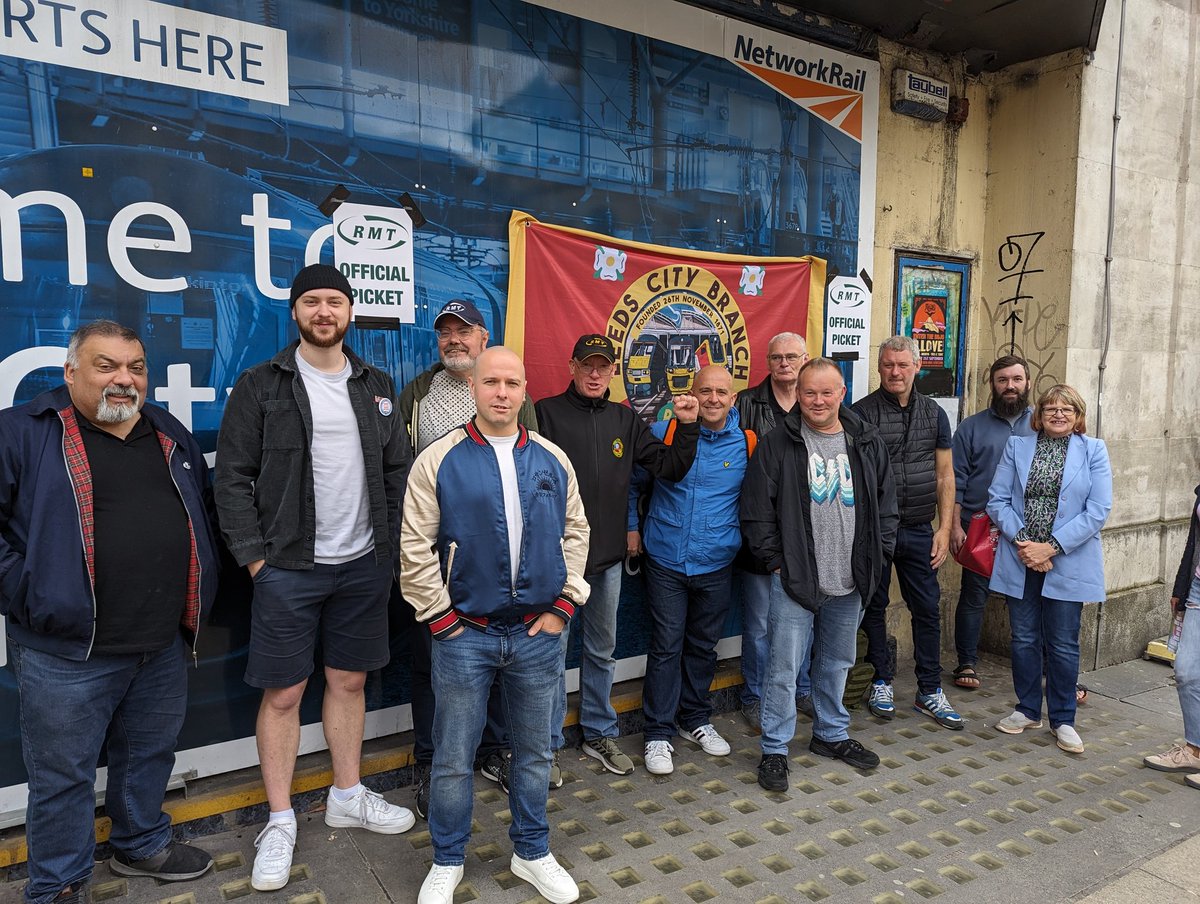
957	816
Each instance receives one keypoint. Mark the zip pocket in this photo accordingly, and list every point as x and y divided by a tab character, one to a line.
449	567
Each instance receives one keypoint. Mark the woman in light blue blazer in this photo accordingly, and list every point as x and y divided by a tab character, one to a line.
1051	494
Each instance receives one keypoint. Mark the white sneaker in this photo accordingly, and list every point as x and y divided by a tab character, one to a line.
1017	722
546	875
708	738
1068	739
439	885
273	862
658	757
368	810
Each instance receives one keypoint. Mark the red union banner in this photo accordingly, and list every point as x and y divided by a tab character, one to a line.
668	311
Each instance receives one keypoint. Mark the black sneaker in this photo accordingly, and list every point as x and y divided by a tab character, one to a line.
490	766
174	863
773	772
502	778
73	894
848	751
422	790
804	706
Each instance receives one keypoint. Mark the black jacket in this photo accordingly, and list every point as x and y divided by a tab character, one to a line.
1187	565
264	484
755	409
604	440
757	414
776	507
910	435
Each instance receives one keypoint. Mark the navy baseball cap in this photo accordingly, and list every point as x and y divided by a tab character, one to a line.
594	344
462	309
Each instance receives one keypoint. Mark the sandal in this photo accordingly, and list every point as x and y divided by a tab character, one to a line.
1081	694
966	676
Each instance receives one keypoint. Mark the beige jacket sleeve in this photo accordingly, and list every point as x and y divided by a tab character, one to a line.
420	567
577	532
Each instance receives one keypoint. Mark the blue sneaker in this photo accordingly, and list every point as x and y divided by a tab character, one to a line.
882	702
938	708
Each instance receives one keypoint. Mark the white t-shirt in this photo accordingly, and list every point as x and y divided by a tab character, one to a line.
504	446
343	512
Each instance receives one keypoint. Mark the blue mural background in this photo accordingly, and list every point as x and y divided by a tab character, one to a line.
474	107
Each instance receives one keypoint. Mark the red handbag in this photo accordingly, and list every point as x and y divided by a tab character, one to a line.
978	552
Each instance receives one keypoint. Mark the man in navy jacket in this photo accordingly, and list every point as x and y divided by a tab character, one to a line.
107	563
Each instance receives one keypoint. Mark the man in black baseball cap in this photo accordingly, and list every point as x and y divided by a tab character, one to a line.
604	441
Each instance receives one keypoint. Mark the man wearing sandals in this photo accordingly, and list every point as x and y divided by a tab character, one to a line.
978	443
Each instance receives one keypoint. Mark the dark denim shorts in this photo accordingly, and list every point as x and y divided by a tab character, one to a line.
345	605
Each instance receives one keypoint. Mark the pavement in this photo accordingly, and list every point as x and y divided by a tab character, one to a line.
957	816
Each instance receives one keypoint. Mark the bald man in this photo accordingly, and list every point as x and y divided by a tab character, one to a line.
493	548
691	535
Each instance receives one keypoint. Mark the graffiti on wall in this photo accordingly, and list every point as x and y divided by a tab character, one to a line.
1021	323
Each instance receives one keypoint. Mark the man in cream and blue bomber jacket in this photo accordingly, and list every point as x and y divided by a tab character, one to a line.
493	546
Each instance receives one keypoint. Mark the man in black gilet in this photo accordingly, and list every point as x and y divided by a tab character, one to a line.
917	433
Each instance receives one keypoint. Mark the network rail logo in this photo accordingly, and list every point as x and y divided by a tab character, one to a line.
827	88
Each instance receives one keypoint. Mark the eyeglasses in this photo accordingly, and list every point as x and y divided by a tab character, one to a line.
1056	410
458	332
595	368
790	359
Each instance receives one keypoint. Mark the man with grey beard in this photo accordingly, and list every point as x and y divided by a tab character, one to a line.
431	405
107	563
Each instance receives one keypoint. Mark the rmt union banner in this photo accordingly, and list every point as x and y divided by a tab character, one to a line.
668	311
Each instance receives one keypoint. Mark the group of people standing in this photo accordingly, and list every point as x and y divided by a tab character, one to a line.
510	525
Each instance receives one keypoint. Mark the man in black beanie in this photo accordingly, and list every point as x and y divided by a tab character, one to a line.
311	470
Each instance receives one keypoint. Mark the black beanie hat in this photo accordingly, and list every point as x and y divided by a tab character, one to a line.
320	276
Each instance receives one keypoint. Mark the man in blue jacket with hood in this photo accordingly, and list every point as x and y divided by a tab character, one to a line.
107	563
691	537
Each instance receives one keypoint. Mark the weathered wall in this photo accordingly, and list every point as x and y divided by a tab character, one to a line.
930	192
1023	189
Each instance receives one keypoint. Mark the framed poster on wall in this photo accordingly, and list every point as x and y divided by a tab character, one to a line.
931	305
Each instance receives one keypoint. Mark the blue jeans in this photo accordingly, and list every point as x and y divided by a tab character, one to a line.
968	616
832	633
1187	667
598	622
464	667
919	587
756	607
66	708
420	642
1039	624
687	613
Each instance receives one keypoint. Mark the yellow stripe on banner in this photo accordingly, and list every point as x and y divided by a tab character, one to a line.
690	253
514	320
816	307
519	222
